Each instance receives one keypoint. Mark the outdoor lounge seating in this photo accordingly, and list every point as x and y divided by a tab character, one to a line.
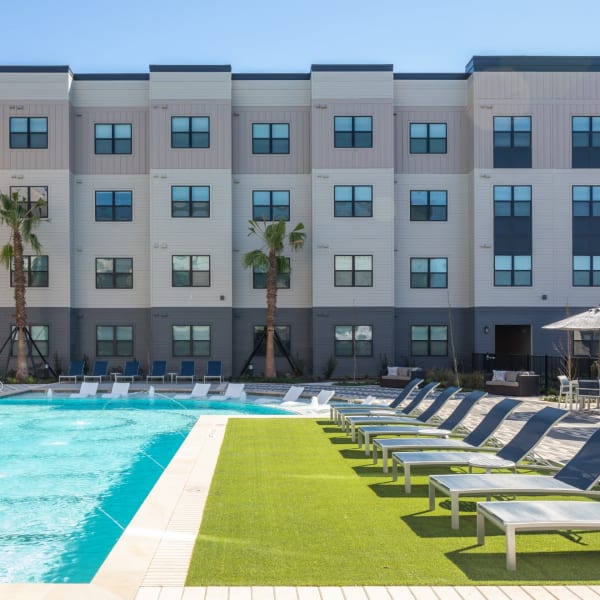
131	371
75	370
234	391
119	389
214	370
512	454
577	477
187	370
200	390
535	515
317	405
291	396
513	383
398	377
87	389
99	371
157	371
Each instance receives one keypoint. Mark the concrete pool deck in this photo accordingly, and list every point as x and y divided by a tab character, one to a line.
150	560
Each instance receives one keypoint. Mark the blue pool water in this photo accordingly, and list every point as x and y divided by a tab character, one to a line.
73	473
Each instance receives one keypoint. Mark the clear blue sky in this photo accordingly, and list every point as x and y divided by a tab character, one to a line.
274	36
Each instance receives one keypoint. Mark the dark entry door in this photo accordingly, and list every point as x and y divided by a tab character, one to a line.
513	346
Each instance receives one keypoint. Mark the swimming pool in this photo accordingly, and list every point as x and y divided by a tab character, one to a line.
73	472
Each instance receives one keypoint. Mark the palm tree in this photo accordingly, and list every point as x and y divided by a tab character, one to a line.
269	257
21	218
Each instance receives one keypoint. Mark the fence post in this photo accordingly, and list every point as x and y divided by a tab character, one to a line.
546	372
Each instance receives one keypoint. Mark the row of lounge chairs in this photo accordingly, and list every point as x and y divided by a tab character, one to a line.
426	444
131	371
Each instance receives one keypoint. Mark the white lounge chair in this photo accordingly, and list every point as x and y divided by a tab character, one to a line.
318	404
87	389
120	389
234	390
200	390
291	396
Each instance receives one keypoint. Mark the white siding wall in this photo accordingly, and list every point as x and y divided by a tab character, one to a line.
272	92
351	85
190	85
109	93
34	86
430	92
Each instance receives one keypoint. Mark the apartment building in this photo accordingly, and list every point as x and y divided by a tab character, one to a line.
446	214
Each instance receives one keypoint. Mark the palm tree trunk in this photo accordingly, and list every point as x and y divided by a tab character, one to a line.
20	311
270	370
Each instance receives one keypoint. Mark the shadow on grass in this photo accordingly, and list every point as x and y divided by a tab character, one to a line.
392	489
425	524
357	454
343	440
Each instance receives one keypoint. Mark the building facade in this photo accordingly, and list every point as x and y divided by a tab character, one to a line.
446	214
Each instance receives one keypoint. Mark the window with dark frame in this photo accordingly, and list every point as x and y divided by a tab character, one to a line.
28	132
259	277
112	138
114	205
586	271
190	201
29	196
512	142
429	340
114	273
586	200
428	272
353	271
191	340
353	200
428	205
585	134
271	205
512	271
428	138
39	334
190	132
35	270
354	340
284	333
114	340
190	271
353	132
270	138
512	201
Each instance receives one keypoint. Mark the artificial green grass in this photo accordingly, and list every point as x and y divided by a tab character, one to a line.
294	502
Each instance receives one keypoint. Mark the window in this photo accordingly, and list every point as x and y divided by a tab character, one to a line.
30	196
586	142
428	272
353	132
586	201
191	340
283	331
586	271
429	340
190	271
273	205
428	138
114	340
113	138
353	271
28	132
114	205
353	340
512	270
586	343
512	200
512	142
259	277
428	205
353	200
270	138
190	132
114	273
35	270
190	201
39	334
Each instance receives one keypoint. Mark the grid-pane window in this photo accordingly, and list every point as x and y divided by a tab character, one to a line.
353	271
353	132
283	331
114	205
259	277
39	334
512	271
271	205
429	340
114	273
428	205
28	132
270	138
35	271
512	201
191	340
113	138
586	132
353	340
512	132
33	199
190	201
190	271
114	340
586	201
190	132
353	200
428	272
428	138
586	271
